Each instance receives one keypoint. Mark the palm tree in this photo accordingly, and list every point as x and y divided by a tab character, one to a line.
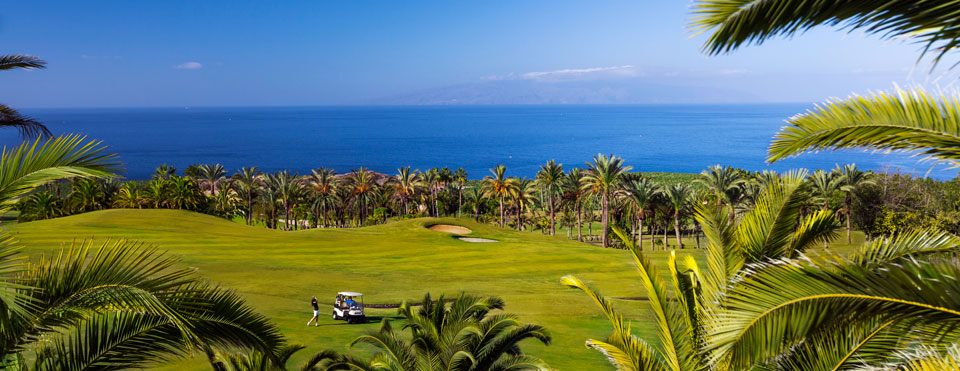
362	188
164	172
183	193
211	175
824	185
638	194
85	195
497	186
685	318
550	177
39	206
602	177
678	194
475	198
444	177
32	164
852	180
521	193
573	191
323	181
10	118
910	120
156	192
129	196
404	185
463	336
725	182
256	360
460	179
248	179
429	179
116	305
288	189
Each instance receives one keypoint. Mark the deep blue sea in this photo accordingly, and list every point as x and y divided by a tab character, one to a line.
676	138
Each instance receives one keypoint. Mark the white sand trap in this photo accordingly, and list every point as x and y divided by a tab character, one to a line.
447	228
475	240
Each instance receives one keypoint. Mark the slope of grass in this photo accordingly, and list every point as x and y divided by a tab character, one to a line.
279	271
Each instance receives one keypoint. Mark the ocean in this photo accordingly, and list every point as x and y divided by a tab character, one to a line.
672	138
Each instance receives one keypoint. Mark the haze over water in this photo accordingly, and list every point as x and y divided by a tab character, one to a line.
673	138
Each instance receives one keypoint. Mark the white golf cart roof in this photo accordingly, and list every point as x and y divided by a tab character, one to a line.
348	293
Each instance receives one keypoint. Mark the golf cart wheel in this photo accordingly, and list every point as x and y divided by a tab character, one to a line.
335	315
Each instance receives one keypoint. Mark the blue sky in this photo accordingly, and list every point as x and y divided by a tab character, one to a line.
319	52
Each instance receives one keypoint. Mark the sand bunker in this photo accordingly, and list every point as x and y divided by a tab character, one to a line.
446	228
476	240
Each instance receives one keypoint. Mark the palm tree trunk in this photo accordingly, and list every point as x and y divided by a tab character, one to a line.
553	217
459	200
640	238
502	215
849	205
666	227
249	205
579	221
676	227
603	219
519	222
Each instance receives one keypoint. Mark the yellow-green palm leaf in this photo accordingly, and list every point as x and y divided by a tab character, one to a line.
32	164
905	120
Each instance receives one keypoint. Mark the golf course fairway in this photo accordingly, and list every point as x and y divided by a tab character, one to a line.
279	271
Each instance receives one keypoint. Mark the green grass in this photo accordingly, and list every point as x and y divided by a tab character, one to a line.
279	271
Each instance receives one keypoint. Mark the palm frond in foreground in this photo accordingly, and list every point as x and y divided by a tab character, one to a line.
905	120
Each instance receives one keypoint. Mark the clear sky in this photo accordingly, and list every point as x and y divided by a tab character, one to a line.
322	52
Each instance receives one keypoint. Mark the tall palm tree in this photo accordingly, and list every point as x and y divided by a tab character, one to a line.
475	198
288	189
10	118
116	305
248	180
852	180
497	186
603	177
323	181
363	188
463	336
404	185
550	177
679	196
824	185
444	177
522	194
460	179
685	318
430	179
724	182
34	163
211	175
638	194
573	191
902	120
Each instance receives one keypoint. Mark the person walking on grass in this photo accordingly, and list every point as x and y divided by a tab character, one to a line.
316	312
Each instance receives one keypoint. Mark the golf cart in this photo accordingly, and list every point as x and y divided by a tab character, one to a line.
349	307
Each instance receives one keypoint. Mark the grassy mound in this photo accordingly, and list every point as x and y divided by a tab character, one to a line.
279	271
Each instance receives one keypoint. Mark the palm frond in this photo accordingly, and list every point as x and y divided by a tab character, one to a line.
724	256
31	165
915	243
768	230
786	301
26	126
623	350
905	120
735	23
11	61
